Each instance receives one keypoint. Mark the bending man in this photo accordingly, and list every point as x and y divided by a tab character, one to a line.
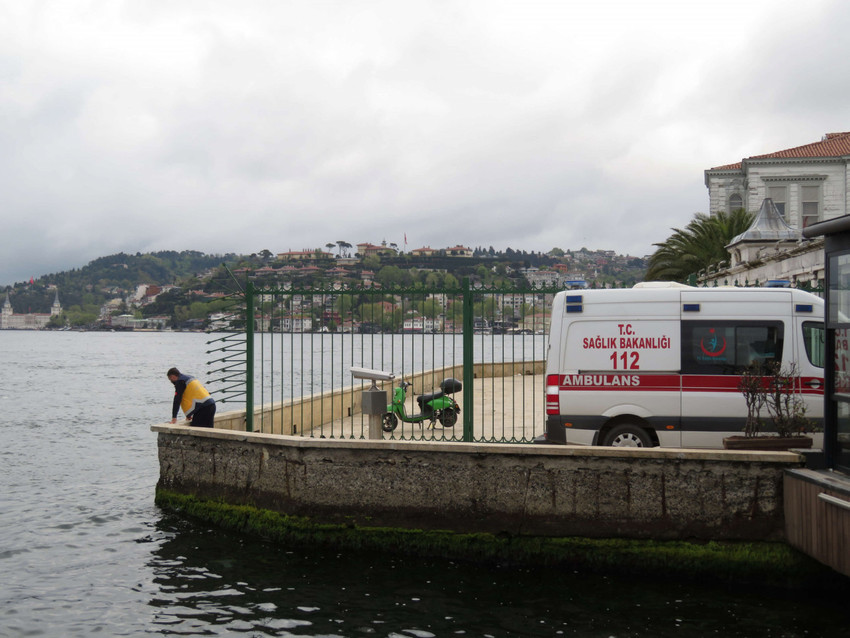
192	396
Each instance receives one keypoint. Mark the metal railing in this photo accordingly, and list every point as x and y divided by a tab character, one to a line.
807	286
291	363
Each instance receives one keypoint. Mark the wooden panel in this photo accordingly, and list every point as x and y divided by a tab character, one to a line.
815	526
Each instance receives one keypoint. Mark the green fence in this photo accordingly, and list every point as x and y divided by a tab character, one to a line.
287	352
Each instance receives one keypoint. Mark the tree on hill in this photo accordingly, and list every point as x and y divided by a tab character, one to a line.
84	290
343	247
390	276
700	244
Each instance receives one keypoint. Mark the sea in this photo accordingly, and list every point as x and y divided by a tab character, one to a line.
84	551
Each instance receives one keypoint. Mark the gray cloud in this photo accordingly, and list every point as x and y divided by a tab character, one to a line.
221	126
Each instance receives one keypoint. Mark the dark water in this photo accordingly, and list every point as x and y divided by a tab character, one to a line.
84	551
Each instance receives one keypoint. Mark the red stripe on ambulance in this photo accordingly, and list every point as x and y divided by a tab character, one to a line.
623	382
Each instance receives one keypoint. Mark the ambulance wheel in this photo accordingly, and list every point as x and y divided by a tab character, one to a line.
448	418
627	436
389	422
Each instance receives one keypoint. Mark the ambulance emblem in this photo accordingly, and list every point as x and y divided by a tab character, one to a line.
714	345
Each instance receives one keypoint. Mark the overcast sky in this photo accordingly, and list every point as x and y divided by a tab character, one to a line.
238	126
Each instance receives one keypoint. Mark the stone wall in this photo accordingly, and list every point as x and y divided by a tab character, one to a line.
499	488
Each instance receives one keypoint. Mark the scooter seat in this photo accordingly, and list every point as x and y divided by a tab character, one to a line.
426	398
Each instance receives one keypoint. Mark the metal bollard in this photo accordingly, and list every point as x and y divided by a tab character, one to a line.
375	405
374	400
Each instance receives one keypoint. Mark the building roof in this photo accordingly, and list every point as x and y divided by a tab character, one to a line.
832	145
768	227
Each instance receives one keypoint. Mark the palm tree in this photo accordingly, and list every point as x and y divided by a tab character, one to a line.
701	244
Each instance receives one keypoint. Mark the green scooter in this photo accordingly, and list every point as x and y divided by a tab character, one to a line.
438	406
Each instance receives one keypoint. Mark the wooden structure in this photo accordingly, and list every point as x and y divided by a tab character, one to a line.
817	502
817	516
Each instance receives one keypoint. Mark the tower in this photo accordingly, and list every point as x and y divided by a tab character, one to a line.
6	312
56	308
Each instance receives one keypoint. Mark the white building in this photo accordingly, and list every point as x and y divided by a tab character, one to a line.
515	302
419	323
805	184
128	322
296	323
107	309
220	321
9	320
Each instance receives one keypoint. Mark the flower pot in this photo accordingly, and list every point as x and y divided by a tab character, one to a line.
769	443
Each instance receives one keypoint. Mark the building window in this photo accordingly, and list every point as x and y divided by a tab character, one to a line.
810	204
736	202
778	195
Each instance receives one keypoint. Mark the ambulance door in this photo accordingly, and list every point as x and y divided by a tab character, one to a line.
809	348
724	333
715	352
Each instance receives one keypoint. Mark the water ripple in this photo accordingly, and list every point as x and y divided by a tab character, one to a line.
85	551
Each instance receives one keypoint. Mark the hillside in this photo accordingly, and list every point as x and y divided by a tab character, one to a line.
180	287
83	291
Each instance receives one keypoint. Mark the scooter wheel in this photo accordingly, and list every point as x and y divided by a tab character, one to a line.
448	418
389	422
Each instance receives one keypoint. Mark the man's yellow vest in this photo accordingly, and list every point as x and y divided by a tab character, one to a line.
194	395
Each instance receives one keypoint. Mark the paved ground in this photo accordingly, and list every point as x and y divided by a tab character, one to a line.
509	409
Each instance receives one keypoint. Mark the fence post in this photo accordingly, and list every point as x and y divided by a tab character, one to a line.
249	358
468	397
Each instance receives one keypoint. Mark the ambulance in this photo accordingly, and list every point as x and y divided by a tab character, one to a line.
660	364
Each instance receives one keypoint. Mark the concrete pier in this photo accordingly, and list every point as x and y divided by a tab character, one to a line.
518	489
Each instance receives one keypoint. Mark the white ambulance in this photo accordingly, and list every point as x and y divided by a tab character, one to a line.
660	363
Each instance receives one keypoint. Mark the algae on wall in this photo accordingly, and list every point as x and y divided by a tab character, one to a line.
759	562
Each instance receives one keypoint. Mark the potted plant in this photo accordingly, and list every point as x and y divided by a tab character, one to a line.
766	385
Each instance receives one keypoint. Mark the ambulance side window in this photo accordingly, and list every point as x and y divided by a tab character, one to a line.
813	335
728	347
